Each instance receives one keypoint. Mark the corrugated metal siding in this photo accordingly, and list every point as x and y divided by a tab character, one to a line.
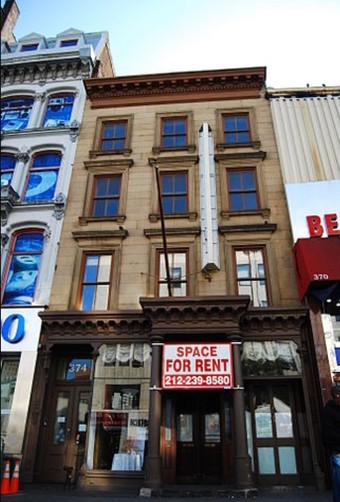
308	137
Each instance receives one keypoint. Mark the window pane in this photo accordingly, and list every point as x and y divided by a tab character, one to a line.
91	268
9	370
88	297
104	268
243	137
102	297
96	285
114	186
60	418
271	359
266	460
287	460
112	208
101	186
41	185
23	271
180	205
7	168
99	208
250	201
241	123
236	202
248	179
59	110
15	113
234	181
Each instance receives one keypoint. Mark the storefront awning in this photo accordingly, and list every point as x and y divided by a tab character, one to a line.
317	264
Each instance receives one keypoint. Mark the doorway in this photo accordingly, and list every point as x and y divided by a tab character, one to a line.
198	437
63	436
275	433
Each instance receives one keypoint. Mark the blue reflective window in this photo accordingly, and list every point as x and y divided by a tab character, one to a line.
7	168
114	136
29	47
96	282
15	113
43	177
242	190
106	196
174	193
23	270
68	43
59	111
236	129
174	133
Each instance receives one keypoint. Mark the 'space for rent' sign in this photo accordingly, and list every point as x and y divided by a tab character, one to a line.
197	366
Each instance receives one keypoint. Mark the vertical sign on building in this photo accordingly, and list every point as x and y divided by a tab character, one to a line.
208	202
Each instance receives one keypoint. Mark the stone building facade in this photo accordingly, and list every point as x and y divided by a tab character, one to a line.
175	348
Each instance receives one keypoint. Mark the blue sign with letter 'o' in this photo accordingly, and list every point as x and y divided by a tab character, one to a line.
20	331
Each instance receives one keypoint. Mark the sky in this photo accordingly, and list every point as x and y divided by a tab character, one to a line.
296	40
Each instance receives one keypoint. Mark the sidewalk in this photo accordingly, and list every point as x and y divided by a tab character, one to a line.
49	493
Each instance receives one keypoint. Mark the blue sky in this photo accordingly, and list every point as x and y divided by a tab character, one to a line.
297	40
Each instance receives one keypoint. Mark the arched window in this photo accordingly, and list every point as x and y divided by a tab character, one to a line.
24	267
15	113
43	177
8	162
59	110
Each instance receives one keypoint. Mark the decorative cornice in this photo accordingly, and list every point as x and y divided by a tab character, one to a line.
195	315
271	322
100	327
176	87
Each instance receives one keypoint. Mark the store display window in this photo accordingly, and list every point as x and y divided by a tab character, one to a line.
119	414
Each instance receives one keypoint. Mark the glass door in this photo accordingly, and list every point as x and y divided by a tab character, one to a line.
275	443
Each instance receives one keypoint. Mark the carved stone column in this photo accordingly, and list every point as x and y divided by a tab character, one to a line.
243	477
153	471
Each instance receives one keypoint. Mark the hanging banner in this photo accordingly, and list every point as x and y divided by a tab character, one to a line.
197	366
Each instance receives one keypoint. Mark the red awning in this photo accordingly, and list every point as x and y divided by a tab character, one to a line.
317	263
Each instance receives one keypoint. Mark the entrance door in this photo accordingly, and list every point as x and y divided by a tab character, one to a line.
66	433
198	432
274	432
62	440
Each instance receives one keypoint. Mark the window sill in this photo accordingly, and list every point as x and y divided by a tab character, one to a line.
99	153
156	150
265	212
154	217
84	220
256	145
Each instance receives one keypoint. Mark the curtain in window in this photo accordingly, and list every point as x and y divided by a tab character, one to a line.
271	358
124	352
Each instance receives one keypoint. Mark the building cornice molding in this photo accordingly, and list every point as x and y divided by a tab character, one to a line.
87	327
274	322
176	87
195	315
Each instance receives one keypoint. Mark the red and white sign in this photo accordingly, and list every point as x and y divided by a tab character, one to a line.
197	366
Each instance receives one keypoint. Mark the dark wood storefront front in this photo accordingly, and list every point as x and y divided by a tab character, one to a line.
195	436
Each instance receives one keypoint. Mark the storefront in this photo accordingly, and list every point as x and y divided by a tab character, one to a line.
188	391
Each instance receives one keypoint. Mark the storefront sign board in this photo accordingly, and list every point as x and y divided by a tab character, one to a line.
197	366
